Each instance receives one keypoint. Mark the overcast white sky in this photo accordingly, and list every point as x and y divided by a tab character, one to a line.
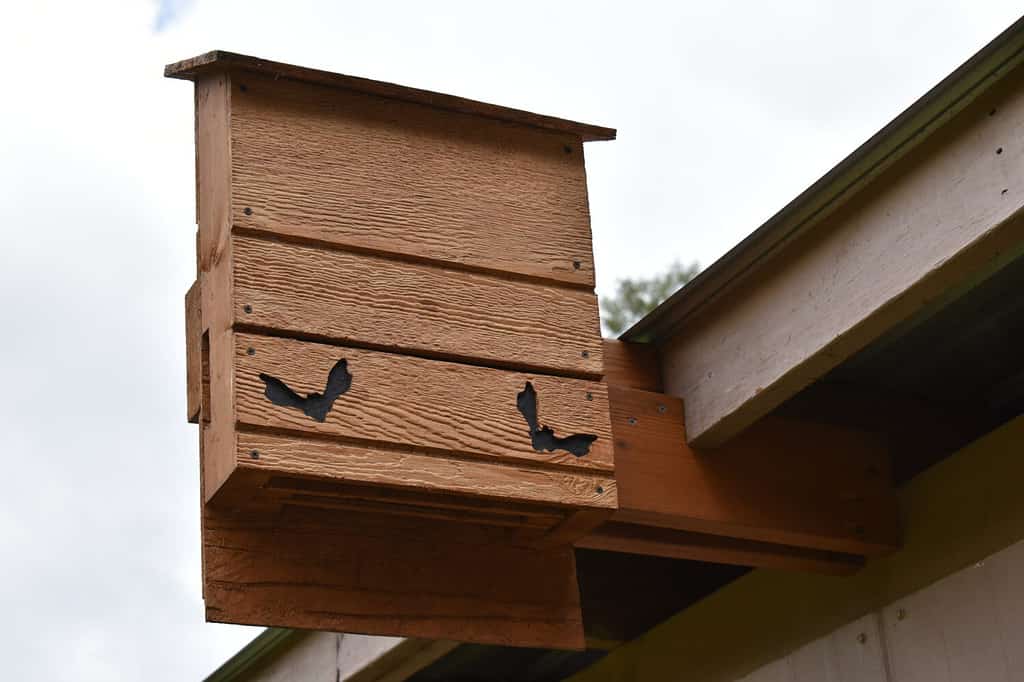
725	111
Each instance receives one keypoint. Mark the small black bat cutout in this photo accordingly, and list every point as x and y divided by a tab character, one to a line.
315	405
544	438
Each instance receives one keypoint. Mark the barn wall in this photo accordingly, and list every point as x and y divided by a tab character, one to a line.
948	606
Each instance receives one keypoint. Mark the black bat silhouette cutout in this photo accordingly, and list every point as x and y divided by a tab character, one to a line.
315	405
544	438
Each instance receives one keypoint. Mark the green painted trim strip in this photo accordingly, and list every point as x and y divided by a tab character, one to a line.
267	643
906	132
955	514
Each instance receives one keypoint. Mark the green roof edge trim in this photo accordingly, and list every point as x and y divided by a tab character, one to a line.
255	652
904	133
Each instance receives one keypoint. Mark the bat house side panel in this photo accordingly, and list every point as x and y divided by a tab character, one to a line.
291	455
377	302
213	157
388	576
403	178
400	400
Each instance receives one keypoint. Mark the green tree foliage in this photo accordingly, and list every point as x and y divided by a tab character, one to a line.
634	298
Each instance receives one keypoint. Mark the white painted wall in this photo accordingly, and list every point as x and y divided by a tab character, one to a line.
968	627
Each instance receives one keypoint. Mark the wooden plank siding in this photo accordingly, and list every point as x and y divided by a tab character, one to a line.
405	401
359	299
373	574
374	464
374	174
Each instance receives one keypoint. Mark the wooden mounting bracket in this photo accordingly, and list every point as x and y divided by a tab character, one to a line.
785	493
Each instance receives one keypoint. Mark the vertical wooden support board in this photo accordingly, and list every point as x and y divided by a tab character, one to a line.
394	356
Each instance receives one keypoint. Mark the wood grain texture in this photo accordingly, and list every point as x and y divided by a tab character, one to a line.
631	365
353	169
784	481
193	352
330	461
365	300
577	525
213	177
387	576
399	400
718	549
220	61
944	213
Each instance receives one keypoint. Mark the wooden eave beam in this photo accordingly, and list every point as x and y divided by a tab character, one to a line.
946	212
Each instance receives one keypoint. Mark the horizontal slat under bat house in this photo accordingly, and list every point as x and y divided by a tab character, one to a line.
394	358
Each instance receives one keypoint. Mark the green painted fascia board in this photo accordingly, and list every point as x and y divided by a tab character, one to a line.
268	643
808	211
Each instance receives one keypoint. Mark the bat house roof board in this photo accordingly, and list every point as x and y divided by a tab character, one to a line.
219	60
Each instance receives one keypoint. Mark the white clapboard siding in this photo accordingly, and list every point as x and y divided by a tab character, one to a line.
852	653
967	627
964	627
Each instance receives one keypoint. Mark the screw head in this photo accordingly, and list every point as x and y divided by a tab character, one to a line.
632	421
247	308
567	149
585	354
576	265
901	614
862	638
255	454
250	351
243	87
599	489
247	211
661	408
590	396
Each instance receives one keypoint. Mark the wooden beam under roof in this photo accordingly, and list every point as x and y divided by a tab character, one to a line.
922	208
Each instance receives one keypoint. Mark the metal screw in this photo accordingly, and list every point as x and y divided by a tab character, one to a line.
576	265
567	149
590	396
585	354
599	490
862	638
247	308
661	409
632	421
901	614
250	351
255	454
247	211
999	151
